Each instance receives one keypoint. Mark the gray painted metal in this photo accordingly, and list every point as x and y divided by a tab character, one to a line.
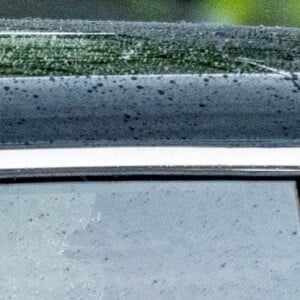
197	34
150	240
208	110
147	48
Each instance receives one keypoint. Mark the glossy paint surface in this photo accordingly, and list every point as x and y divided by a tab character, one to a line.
194	110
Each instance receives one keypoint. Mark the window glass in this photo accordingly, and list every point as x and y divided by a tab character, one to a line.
149	240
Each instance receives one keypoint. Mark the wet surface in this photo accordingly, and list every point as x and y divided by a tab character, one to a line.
150	240
225	110
146	48
35	236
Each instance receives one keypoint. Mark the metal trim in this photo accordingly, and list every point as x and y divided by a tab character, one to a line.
106	161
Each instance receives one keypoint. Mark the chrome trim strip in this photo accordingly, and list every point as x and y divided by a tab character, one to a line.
149	160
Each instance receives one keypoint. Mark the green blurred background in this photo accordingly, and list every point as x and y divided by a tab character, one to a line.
246	12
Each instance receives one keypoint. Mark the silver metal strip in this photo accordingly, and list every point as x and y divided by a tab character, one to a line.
149	160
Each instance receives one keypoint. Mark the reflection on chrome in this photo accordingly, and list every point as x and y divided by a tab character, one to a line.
151	159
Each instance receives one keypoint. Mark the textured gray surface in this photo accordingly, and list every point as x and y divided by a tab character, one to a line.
150	240
201	34
146	48
255	110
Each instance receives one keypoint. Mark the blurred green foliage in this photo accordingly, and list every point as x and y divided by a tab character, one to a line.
254	12
242	12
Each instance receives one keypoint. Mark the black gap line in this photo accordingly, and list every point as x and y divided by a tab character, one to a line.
150	178
297	191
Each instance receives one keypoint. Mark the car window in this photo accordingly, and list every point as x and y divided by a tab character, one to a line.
149	240
127	160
